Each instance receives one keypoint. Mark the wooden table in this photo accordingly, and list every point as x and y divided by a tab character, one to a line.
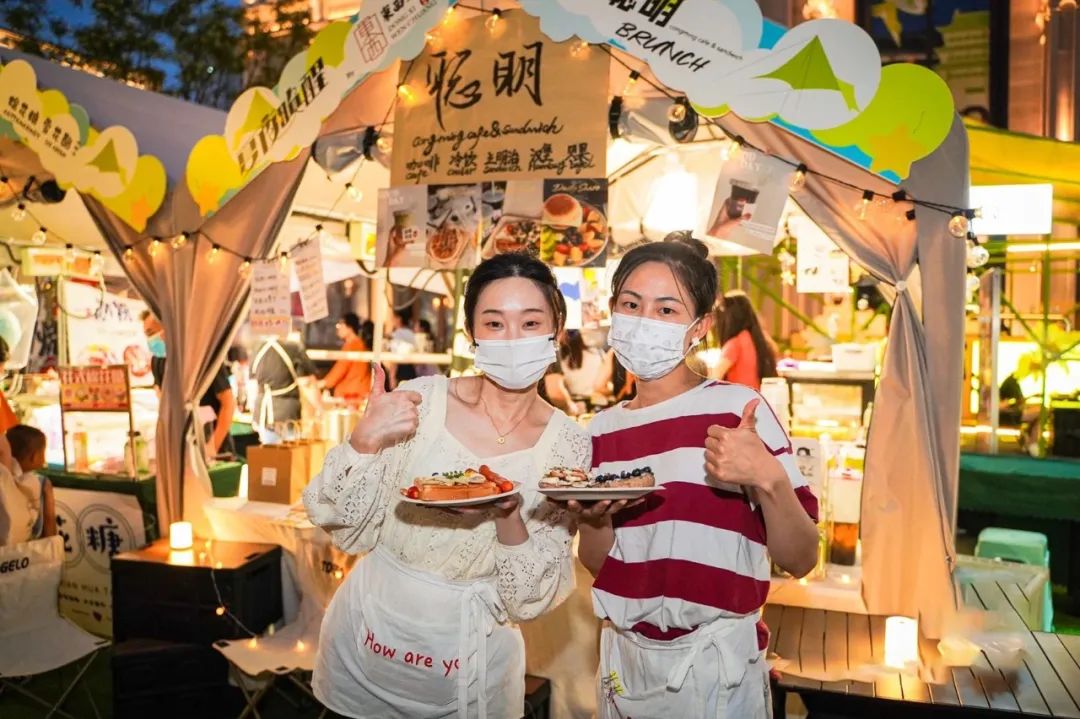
1047	682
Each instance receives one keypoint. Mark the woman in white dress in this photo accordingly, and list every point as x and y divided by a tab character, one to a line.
422	627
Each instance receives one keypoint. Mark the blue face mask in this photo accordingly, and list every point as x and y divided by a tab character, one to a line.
157	346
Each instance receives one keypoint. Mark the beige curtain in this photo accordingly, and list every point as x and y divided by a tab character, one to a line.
200	304
909	491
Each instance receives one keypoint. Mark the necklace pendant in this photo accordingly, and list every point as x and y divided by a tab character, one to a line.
501	440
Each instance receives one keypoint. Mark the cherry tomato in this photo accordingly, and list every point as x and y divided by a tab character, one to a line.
563	248
413	493
506	486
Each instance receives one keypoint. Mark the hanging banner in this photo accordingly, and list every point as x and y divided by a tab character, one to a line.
271	309
95	527
490	101
432	226
104	329
820	266
103	164
749	201
307	260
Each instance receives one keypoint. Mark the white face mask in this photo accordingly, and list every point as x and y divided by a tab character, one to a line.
515	364
649	349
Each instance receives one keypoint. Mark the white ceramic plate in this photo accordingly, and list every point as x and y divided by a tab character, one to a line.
595	494
464	502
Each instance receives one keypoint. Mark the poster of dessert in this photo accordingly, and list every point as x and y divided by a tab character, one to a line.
429	226
748	203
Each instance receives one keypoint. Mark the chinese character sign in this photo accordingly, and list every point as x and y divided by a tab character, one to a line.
271	308
94	389
500	104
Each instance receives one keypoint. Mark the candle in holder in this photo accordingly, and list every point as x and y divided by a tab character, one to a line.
901	642
180	535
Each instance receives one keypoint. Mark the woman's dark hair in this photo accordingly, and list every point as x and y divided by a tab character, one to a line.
573	349
738	315
352	321
367	333
5	351
688	259
514	264
25	441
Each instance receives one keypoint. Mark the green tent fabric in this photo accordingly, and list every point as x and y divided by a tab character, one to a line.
1020	486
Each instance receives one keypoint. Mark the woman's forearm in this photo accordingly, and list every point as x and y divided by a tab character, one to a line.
511	530
596	541
792	535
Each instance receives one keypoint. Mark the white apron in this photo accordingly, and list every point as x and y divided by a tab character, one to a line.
412	644
715	672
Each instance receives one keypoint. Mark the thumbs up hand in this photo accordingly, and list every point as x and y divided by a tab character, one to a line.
390	417
737	455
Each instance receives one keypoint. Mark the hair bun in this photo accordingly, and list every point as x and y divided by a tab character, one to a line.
687	239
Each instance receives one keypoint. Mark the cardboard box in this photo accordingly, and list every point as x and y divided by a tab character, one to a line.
278	473
317	454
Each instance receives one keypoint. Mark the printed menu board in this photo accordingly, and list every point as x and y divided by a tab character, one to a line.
95	389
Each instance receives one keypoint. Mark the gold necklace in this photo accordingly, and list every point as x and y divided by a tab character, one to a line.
500	437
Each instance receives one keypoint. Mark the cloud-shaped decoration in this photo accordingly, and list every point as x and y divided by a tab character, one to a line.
909	117
819	75
560	24
265	126
105	164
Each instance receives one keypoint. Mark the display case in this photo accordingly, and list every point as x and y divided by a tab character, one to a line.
827	400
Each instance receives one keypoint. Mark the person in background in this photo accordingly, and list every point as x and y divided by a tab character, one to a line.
402	341
239	373
747	354
28	446
219	398
350	380
284	375
581	365
423	328
613	383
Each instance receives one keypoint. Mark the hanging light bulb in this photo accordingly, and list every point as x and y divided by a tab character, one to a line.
354	192
215	251
864	203
40	237
449	16
253	643
245	267
19	213
300	646
283	261
129	255
677	112
69	253
180	241
977	255
492	22
788	278
798	180
958	225
631	80
580	48
434	39
338	574
155	246
406	93
786	259
97	264
321	234
972	284
384	144
220	611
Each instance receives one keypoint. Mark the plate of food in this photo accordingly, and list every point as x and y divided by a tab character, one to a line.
514	234
565	483
573	233
453	223
459	488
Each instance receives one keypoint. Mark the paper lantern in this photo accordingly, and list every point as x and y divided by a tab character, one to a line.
180	535
901	642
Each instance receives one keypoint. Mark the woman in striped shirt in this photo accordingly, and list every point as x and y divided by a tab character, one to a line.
681	576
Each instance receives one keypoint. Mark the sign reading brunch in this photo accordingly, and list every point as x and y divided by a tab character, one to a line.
104	164
495	99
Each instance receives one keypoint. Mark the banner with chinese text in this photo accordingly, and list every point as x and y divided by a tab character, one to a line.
95	527
505	103
95	389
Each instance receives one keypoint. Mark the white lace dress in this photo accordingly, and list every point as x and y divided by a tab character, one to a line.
356	498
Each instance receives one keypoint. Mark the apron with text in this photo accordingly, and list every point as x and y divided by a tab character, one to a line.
716	671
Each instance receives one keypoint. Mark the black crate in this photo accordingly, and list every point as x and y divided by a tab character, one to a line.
158	594
152	678
1067	430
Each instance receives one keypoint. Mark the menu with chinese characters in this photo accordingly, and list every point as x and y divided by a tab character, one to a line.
499	100
307	260
94	389
271	311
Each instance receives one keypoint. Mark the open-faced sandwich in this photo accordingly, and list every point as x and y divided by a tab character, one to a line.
457	486
573	478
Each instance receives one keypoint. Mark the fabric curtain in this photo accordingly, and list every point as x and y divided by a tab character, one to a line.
200	303
909	488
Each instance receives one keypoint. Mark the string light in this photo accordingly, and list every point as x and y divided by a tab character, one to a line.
214	252
129	255
97	265
300	646
220	611
354	192
631	80
180	241
864	203
798	180
493	22
245	267
677	112
958	224
579	48
449	16
910	214
434	39
977	255
384	144
321	234
253	643
69	252
155	247
19	213
338	574
283	261
972	284
40	237
406	93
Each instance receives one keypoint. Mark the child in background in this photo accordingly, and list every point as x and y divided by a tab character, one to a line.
28	454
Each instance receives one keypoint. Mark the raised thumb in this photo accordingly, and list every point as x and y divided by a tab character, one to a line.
378	381
749	415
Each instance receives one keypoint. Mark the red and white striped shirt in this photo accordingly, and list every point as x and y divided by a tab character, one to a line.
695	551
